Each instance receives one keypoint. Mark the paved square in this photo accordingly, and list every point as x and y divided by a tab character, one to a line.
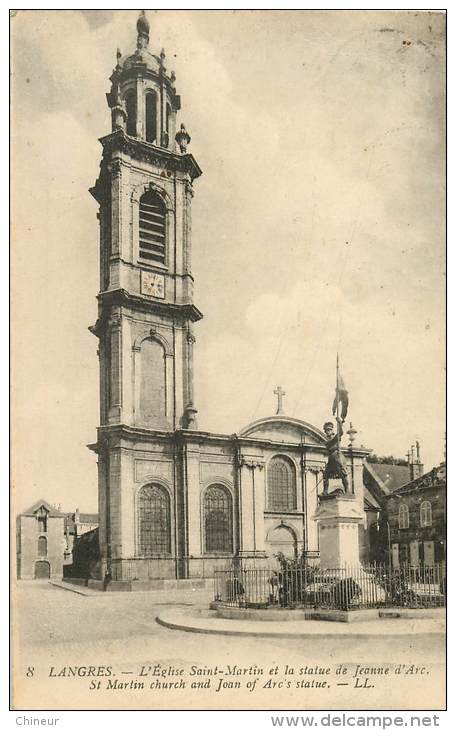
58	633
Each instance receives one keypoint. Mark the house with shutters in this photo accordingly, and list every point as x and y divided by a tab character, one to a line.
415	516
380	479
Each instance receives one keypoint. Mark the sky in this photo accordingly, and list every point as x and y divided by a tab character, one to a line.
318	224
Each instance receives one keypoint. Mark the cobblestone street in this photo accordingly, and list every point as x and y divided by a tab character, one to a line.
56	629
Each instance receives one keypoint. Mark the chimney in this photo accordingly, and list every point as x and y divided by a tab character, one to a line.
418	465
412	463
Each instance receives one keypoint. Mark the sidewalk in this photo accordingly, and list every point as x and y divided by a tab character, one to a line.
205	621
189	597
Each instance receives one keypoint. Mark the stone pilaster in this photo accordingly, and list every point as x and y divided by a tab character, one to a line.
140	108
251	484
116	208
187	227
115	389
189	418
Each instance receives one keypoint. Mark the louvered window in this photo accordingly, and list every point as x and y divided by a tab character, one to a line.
152	229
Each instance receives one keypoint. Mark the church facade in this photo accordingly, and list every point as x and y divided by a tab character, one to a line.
176	501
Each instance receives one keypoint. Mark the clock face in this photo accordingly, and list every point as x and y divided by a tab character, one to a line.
152	285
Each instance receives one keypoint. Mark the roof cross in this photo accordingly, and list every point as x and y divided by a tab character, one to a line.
280	393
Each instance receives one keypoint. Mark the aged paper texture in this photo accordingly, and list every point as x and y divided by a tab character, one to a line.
259	520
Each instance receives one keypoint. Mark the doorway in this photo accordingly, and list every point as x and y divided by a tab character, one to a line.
42	570
282	539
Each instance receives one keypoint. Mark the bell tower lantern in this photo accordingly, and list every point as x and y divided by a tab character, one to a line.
144	191
143	98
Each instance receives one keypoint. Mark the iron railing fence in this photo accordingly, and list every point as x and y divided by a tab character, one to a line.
350	587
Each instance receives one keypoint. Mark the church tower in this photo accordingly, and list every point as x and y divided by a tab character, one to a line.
146	310
145	303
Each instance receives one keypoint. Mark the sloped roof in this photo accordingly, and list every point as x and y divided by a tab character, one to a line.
90	536
88	517
389	477
84	518
370	502
52	511
435	477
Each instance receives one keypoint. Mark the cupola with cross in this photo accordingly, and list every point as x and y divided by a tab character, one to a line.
144	191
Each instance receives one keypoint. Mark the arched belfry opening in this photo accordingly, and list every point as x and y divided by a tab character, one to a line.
131	110
151	116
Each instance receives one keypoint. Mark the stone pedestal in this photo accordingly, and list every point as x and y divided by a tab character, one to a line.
338	517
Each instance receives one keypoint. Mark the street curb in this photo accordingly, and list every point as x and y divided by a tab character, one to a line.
71	587
223	632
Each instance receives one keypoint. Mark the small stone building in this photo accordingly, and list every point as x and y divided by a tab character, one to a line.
380	479
77	524
416	520
40	542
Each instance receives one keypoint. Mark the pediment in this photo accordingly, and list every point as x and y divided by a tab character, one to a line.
284	429
41	504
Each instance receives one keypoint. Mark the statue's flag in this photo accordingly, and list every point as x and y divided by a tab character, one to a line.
341	398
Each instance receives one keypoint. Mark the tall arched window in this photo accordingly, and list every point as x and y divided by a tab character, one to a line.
130	108
151	117
218	520
152	384
154	521
425	514
42	547
403	517
152	228
281	485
